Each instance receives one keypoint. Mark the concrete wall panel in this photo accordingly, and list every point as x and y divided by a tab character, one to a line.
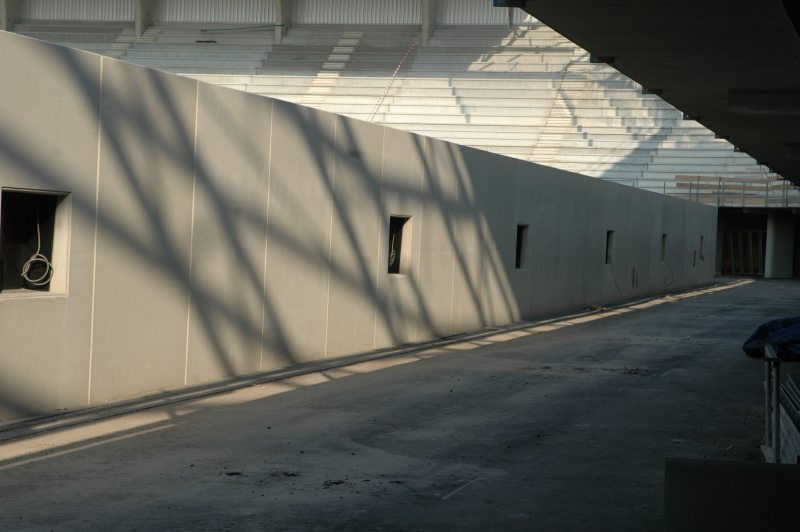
48	141
353	304
615	216
230	234
550	210
524	209
299	234
146	171
437	242
592	274
465	223
495	223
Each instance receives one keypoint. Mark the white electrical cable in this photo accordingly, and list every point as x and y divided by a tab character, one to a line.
672	274
614	275
38	258
392	252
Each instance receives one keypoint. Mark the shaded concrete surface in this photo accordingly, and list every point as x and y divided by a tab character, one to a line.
558	427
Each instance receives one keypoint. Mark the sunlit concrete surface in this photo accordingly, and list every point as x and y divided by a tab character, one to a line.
563	426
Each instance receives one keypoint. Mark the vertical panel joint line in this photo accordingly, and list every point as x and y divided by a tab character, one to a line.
421	232
382	215
330	236
191	236
266	240
453	270
96	220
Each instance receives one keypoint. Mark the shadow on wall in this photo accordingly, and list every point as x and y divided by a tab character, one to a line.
215	233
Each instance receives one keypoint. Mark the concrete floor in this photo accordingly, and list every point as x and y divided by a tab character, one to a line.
560	427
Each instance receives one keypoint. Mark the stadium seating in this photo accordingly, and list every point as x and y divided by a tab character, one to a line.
524	92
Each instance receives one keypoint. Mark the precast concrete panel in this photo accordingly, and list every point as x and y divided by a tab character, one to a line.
643	228
674	228
653	279
691	239
615	217
573	238
544	219
146	179
402	189
708	225
464	219
493	178
437	246
703	225
353	304
686	245
569	244
298	234
553	215
592	248
48	142
229	234
524	208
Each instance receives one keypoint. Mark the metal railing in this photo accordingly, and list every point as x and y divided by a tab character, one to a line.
723	192
781	412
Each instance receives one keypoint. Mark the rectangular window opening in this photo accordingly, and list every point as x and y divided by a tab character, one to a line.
702	256
609	245
664	247
399	259
522	245
33	241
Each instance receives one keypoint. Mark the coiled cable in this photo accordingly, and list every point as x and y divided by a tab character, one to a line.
37	259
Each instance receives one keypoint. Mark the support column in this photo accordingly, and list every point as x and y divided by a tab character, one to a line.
780	247
428	20
144	14
284	21
10	12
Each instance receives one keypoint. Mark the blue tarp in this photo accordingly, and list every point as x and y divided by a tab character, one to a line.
783	334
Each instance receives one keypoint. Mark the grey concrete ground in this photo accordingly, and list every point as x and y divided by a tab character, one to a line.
559	427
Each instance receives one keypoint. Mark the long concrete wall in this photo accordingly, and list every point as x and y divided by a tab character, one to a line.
214	233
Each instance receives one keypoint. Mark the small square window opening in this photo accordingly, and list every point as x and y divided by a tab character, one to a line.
522	245
609	246
33	241
399	260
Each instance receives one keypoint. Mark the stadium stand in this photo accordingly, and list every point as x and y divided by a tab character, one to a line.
522	91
